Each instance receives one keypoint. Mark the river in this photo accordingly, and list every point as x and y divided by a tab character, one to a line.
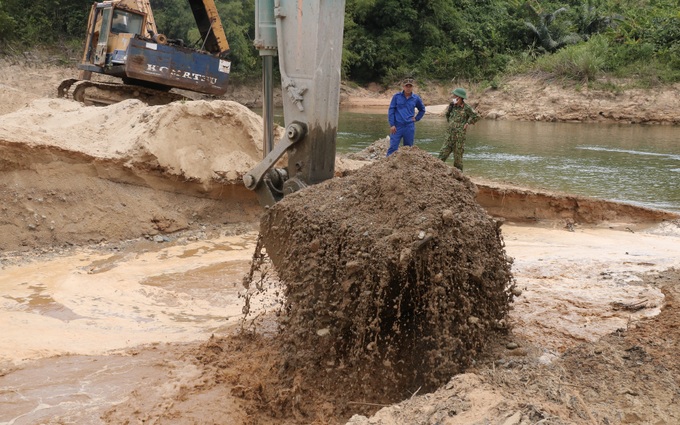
636	164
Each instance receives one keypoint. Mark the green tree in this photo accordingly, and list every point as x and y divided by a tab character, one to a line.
590	18
7	24
174	19
43	21
550	36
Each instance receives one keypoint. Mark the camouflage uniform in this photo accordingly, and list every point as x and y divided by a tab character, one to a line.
455	138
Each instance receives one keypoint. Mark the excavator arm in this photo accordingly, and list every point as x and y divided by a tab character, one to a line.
209	26
307	36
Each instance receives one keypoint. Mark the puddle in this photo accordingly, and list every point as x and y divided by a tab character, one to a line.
74	389
45	305
194	251
574	283
91	302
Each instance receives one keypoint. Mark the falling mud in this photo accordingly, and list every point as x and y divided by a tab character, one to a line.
396	273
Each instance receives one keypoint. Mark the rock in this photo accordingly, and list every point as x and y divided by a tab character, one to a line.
515	419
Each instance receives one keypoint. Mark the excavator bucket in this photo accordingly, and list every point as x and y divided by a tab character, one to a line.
392	277
394	274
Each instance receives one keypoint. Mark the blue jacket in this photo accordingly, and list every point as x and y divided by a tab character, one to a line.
402	109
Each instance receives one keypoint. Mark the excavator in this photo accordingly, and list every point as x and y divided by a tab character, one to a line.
123	41
307	36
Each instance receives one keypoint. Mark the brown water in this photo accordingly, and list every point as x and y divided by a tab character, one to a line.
92	302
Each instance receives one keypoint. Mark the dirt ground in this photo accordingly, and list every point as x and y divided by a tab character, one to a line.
125	234
528	98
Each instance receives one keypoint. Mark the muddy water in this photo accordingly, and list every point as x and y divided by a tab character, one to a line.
91	302
69	323
578	286
629	163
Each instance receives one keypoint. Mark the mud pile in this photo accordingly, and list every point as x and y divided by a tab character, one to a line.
394	276
375	150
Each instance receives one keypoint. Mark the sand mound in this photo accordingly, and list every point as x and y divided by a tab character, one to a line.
9	96
198	141
394	270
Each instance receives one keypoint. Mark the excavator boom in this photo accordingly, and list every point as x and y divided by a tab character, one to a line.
209	26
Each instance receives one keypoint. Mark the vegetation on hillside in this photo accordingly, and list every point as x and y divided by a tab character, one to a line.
443	40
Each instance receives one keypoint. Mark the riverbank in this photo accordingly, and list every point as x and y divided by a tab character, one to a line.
526	98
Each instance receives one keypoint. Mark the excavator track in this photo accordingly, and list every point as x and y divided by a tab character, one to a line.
93	93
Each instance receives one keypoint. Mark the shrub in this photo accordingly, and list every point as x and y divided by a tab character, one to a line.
582	62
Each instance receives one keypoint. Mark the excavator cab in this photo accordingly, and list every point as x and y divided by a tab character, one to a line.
112	31
126	22
124	26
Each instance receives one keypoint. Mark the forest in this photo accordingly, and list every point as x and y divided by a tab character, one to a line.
438	40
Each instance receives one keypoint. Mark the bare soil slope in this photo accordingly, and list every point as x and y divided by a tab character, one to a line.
540	98
530	99
73	174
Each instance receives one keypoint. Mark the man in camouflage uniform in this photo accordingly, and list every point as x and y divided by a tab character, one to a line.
459	116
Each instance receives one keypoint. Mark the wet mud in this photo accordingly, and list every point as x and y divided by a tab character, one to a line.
393	272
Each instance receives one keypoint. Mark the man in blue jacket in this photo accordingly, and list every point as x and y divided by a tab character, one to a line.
402	116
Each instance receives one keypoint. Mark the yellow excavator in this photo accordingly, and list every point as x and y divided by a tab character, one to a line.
123	41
